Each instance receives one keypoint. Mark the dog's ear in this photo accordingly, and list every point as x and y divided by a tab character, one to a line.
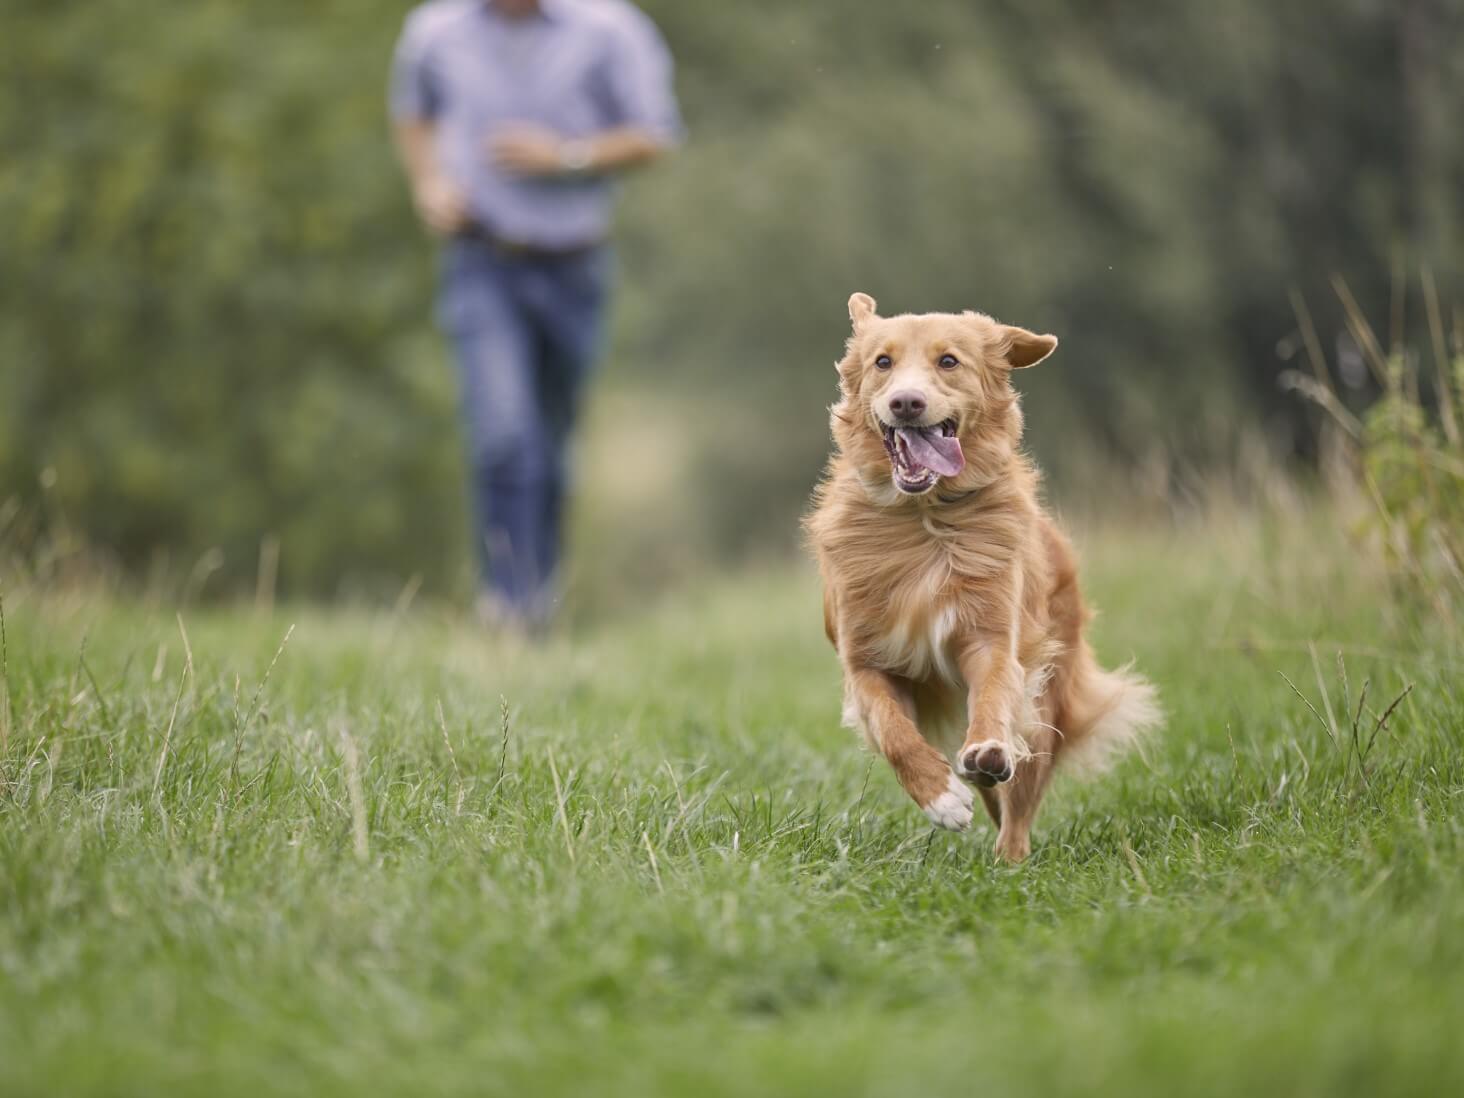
1024	348
861	310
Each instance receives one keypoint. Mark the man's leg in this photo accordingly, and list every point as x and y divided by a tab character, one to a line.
570	310
497	358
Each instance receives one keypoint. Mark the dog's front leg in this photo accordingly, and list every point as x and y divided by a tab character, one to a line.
1011	772
995	687
885	712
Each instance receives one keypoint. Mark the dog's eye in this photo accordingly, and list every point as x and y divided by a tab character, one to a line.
948	362
884	362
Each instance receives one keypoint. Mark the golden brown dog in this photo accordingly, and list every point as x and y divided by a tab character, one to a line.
949	593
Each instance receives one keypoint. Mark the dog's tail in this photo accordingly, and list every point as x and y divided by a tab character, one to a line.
1101	713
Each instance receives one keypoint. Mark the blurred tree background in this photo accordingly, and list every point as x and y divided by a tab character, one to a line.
215	306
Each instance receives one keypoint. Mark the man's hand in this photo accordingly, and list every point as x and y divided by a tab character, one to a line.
441	204
527	151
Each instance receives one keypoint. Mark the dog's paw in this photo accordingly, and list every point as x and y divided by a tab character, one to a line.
952	809
986	763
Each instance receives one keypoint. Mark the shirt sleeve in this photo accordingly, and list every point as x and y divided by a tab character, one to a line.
639	78
415	92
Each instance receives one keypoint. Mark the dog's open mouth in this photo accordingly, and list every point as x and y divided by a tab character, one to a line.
920	456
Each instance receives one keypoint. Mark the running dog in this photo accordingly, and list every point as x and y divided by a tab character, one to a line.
950	594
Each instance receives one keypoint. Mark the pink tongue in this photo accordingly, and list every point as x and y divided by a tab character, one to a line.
935	451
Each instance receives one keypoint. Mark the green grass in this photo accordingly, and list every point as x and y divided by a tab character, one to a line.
679	875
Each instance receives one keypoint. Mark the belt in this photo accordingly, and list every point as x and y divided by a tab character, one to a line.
516	249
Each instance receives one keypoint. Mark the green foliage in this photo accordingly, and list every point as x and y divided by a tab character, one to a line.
214	306
215	300
1407	450
1413	461
229	873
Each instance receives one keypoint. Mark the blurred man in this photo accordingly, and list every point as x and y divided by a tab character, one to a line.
512	117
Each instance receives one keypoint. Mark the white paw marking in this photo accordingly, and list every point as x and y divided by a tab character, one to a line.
952	809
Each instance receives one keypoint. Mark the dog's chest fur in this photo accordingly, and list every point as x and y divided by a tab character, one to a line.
914	634
911	589
906	610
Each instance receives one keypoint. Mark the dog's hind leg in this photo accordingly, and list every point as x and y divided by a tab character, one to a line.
883	709
992	800
1021	797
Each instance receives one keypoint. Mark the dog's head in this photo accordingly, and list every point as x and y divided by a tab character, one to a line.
928	396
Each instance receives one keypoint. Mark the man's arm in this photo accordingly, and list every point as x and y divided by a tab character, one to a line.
532	151
440	202
415	101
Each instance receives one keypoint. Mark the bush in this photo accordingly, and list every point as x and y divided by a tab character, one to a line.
1408	451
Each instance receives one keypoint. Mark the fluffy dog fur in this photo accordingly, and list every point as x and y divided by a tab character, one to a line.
955	609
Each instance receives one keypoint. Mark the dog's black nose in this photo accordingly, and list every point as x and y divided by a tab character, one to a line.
908	404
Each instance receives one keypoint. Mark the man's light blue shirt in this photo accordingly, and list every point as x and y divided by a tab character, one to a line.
576	67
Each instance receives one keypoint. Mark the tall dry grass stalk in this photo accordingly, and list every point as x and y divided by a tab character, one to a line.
355	792
183	678
457	774
4	684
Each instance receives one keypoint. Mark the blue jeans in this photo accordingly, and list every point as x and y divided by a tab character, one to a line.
526	331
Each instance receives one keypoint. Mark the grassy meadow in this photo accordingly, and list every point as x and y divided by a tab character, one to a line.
395	856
